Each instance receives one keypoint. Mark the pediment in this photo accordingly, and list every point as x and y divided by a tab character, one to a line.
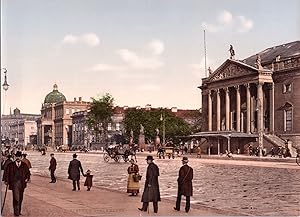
231	69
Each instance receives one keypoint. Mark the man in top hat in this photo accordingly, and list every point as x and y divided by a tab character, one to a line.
185	186
74	173
151	189
16	175
52	168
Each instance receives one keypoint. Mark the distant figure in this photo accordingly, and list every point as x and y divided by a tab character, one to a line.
7	161
133	183
88	180
74	173
52	168
151	189
199	152
232	53
26	161
16	175
185	186
272	152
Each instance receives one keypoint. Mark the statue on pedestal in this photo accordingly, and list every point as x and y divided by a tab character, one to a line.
141	137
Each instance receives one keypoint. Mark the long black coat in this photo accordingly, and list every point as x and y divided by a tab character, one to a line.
184	180
73	171
151	194
52	164
9	174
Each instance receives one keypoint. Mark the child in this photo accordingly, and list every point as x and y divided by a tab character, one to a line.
89	180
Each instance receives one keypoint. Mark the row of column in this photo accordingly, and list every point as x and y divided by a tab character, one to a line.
249	103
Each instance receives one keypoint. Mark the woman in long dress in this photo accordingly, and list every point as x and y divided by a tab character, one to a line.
133	186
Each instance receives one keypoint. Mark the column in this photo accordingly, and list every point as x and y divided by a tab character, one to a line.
218	110
260	103
238	108
260	119
218	146
209	111
43	136
272	108
248	126
252	114
227	108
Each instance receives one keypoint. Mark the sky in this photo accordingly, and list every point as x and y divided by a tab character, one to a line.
140	51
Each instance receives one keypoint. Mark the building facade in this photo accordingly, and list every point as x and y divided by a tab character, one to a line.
55	125
253	101
19	128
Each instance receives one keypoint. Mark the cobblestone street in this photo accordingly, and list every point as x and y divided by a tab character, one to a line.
245	187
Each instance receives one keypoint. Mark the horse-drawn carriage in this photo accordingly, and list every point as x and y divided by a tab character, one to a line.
116	152
166	151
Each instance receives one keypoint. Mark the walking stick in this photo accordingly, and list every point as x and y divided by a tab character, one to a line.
148	199
4	199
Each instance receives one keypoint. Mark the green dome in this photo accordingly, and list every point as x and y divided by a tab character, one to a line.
54	96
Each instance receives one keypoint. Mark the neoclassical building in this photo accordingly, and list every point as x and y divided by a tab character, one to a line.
55	125
255	100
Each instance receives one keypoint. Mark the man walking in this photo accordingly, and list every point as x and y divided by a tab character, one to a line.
151	189
16	176
74	173
184	184
52	168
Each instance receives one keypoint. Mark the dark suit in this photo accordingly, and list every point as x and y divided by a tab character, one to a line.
52	169
17	178
185	186
151	189
74	172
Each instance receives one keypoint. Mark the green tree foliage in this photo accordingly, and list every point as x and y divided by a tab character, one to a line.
99	116
151	120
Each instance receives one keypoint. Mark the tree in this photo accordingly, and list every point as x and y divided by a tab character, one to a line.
150	119
99	115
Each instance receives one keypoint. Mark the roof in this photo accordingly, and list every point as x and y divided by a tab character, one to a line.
227	134
268	55
54	96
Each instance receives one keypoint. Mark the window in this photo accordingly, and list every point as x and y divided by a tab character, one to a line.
109	126
67	111
287	88
288	120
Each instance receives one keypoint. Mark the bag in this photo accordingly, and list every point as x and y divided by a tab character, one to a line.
137	177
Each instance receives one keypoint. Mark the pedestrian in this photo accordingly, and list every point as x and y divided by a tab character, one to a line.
7	161
52	168
74	173
151	189
272	152
26	161
199	152
16	175
185	186
133	182
88	180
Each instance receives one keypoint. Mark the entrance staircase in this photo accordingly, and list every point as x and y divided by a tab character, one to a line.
278	142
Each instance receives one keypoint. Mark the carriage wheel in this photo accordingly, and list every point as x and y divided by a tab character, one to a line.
117	158
106	157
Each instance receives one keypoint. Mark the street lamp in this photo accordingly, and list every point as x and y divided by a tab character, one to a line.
5	86
163	119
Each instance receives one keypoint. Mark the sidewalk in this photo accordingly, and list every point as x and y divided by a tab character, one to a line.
45	199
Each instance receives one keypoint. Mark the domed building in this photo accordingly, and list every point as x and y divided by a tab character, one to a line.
55	125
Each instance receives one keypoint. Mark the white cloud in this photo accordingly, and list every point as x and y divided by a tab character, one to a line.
70	39
135	61
209	27
90	39
246	24
156	46
225	17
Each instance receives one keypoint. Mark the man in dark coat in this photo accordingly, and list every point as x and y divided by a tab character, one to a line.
185	186
7	161
52	168
16	176
151	189
74	173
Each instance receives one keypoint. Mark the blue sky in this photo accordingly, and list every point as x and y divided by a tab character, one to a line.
140	51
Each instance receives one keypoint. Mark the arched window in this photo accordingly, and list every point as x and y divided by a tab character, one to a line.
287	116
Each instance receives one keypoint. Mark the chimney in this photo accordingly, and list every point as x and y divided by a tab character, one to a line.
74	99
80	99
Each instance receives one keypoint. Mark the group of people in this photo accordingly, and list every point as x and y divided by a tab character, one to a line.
151	191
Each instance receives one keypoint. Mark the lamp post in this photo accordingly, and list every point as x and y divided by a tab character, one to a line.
163	119
5	86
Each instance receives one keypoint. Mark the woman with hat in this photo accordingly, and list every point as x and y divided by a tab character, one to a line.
185	186
151	189
74	173
133	182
